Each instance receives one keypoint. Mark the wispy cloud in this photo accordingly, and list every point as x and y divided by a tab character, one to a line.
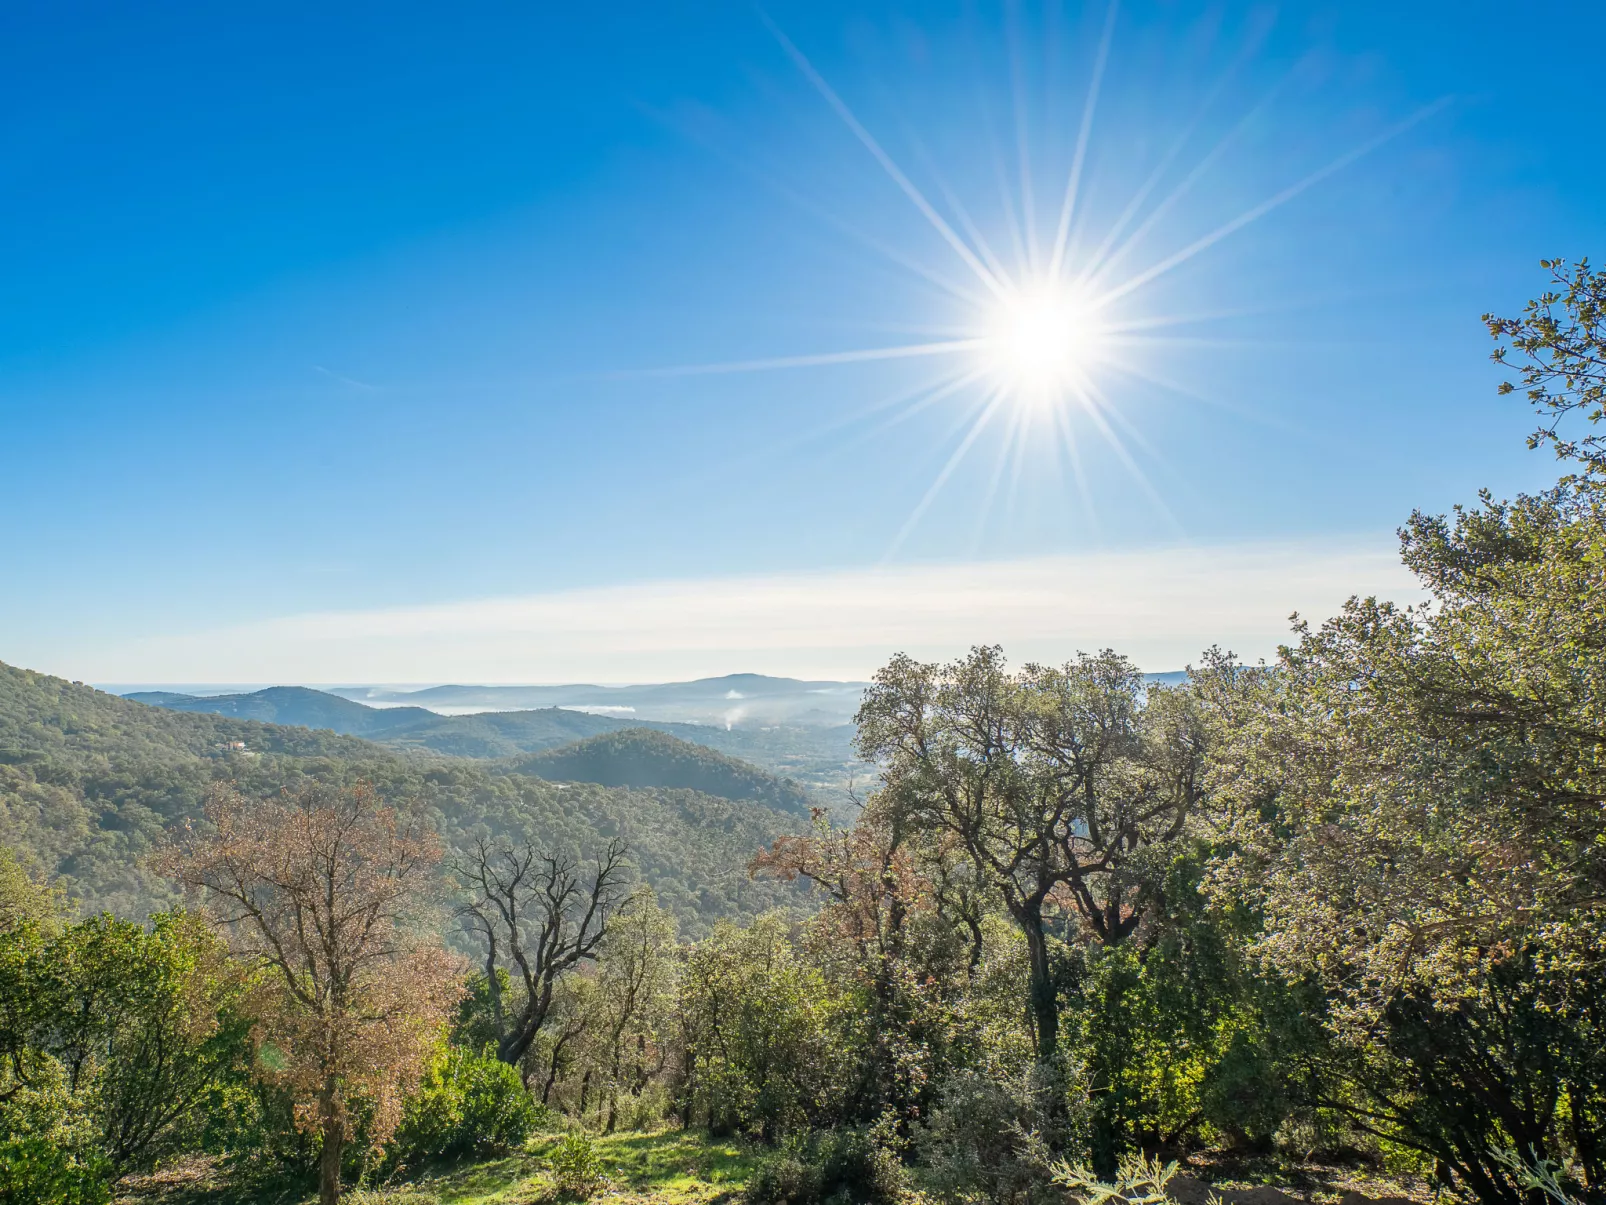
1160	606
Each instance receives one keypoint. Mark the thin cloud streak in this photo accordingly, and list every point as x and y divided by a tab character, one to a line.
1160	606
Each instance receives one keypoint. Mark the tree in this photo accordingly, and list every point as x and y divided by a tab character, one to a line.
756	1055
1564	368
1421	817
635	989
533	910
320	892
146	1023
1068	777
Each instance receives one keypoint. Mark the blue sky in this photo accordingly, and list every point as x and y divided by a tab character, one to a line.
317	315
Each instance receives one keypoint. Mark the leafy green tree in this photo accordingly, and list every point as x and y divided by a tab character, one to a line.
756	1055
149	1021
1560	341
1419	814
1067	782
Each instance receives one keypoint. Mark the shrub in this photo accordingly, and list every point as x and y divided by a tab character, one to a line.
1243	1096
466	1104
577	1169
36	1171
49	1153
982	1142
842	1166
1138	1180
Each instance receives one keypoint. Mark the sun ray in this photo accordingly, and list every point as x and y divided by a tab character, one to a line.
1098	268
1073	451
744	164
989	408
1271	203
961	248
1093	404
1149	376
1012	435
1023	155
1164	165
961	214
1083	134
867	355
925	402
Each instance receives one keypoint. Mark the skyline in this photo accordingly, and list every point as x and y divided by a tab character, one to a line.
318	324
1162	609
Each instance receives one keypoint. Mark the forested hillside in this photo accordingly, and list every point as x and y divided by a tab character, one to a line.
642	757
820	759
89	782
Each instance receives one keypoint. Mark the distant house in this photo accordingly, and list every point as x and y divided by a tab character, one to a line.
233	746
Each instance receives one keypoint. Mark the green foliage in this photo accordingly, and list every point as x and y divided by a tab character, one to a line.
842	1167
49	1153
577	1168
37	1171
467	1104
135	1026
757	1056
1561	338
983	1142
250	1126
1417	813
1139	1180
642	757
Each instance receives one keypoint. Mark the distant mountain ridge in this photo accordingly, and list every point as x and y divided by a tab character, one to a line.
728	701
488	735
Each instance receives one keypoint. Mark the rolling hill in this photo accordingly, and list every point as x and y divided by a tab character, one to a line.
820	759
645	757
90	782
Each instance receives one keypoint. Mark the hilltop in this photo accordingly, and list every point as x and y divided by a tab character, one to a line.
645	757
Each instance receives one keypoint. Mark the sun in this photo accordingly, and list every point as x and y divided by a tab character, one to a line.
1041	343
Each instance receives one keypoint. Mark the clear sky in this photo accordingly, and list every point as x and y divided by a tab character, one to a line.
367	342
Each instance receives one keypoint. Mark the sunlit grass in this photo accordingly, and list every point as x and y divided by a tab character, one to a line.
660	1167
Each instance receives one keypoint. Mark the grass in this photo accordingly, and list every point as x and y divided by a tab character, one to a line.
661	1167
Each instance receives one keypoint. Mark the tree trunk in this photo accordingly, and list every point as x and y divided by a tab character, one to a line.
334	1142
1040	983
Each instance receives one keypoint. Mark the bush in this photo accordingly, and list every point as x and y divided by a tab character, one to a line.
577	1169
36	1171
1243	1096
840	1167
49	1153
467	1104
983	1142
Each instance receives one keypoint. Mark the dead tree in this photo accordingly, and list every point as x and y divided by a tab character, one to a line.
538	919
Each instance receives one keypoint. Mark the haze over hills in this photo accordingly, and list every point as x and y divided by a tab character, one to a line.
732	700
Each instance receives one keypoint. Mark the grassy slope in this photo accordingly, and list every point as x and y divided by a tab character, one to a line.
664	1167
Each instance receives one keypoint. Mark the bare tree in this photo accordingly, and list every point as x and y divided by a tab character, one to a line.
538	919
322	890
